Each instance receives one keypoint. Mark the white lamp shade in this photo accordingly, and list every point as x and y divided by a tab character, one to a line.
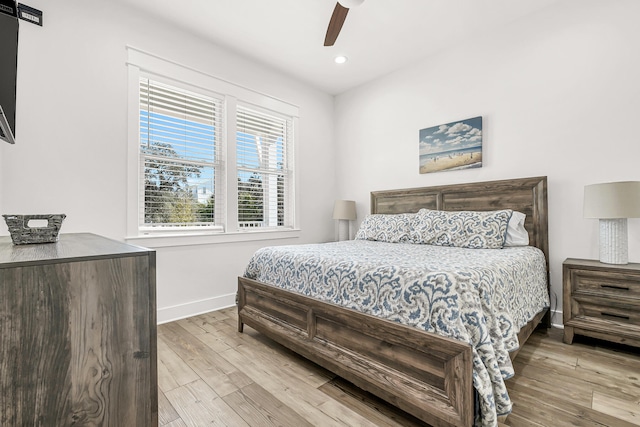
344	209
612	200
350	3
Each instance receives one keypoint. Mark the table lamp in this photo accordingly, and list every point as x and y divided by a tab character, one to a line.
612	203
344	211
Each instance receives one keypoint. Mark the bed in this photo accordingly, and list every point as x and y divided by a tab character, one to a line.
423	373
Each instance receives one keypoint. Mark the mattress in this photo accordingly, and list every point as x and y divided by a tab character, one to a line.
479	296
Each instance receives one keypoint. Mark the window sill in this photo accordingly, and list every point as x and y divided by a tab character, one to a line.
164	241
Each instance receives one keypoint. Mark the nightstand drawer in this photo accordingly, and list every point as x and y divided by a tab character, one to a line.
606	309
606	283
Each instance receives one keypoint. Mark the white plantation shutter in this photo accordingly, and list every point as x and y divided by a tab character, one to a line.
264	142
180	159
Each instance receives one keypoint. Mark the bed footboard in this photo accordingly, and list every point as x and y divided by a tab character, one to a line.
424	374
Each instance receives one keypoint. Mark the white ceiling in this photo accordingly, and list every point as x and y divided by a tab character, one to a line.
378	37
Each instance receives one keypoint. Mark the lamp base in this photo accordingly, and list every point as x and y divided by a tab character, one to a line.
343	230
614	248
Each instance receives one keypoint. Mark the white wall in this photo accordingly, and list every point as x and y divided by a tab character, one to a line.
72	125
559	92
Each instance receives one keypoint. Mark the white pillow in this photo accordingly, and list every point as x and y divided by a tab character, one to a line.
516	233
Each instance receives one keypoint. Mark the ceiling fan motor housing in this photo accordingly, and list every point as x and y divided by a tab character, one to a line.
349	4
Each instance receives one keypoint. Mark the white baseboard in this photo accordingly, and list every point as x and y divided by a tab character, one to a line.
180	311
556	319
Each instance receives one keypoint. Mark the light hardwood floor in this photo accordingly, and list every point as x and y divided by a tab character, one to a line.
209	374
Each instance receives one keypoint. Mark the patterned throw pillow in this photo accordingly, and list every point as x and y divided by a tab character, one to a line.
386	228
463	229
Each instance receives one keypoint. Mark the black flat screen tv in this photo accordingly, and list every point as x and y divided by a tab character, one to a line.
8	69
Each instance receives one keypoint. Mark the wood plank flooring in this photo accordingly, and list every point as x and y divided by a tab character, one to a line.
209	374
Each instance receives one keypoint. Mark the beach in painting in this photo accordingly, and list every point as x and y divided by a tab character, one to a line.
451	160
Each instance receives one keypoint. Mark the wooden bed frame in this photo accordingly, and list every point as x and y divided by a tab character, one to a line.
426	375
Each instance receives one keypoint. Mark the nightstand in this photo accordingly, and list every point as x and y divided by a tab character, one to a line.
601	301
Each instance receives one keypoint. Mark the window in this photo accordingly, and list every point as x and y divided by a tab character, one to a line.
206	157
180	145
264	175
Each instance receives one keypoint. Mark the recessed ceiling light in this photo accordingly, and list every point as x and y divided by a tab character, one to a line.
340	59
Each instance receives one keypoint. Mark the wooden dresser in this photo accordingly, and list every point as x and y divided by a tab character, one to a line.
601	301
77	333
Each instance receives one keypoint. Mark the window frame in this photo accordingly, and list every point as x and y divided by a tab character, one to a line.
143	64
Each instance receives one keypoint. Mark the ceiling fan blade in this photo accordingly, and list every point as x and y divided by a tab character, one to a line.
335	25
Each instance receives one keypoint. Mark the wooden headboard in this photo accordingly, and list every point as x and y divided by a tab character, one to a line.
527	195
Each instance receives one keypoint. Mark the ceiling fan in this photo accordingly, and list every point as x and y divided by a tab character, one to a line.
337	19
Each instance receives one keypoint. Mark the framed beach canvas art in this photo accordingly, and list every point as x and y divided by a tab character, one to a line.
452	146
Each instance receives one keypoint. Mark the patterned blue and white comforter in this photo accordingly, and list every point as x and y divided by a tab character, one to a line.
479	296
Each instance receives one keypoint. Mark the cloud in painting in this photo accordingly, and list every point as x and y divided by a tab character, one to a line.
458	135
442	129
458	128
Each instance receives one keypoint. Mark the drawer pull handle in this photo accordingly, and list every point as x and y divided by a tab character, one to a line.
622	288
617	316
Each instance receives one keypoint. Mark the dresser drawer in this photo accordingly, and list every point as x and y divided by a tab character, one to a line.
624	312
606	283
